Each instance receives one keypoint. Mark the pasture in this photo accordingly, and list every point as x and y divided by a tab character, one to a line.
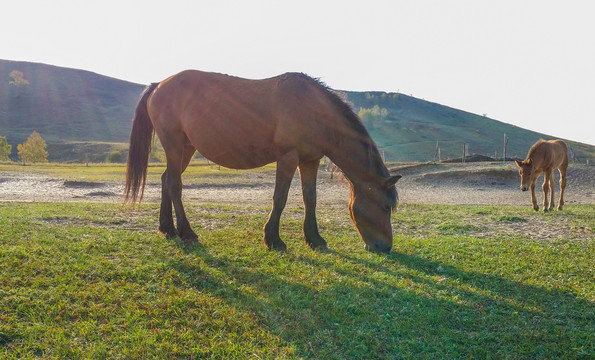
88	279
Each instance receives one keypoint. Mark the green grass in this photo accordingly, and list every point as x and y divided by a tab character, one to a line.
198	171
80	280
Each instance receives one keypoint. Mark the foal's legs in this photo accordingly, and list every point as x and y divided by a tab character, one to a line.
286	166
533	199
308	173
562	185
548	185
552	190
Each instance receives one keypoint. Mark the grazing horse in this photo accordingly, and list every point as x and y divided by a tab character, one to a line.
545	156
290	119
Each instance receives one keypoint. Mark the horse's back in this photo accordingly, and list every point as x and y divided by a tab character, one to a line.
236	122
562	152
553	154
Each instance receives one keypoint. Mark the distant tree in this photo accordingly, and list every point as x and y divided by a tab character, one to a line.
373	116
33	150
18	79
5	149
115	156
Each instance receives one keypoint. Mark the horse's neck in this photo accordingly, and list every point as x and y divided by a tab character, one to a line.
355	161
537	157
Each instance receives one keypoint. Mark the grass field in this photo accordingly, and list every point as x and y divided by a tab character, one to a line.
197	171
81	280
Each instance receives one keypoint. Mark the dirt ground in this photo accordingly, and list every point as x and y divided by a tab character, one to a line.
469	184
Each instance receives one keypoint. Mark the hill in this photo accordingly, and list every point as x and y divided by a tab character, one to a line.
85	116
64	106
408	129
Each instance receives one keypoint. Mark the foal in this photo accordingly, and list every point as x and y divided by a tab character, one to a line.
544	156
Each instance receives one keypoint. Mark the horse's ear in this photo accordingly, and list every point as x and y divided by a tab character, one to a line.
518	163
391	181
529	162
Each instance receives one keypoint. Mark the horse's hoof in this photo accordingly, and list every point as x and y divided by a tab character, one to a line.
169	232
274	242
318	244
318	247
545	210
536	208
190	241
189	238
278	245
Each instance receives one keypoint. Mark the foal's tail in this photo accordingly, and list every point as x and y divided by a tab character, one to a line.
141	137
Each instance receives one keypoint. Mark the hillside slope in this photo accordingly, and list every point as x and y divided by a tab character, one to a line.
410	128
64	104
74	110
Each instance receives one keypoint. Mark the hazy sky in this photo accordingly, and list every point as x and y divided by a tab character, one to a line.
530	63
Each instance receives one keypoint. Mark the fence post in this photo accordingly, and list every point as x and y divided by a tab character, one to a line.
505	143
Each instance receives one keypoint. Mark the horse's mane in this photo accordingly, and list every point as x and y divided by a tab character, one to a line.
357	125
375	161
352	120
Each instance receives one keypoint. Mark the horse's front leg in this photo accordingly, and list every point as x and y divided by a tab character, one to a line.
308	173
286	166
533	199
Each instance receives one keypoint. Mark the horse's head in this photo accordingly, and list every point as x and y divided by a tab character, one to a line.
370	208
527	172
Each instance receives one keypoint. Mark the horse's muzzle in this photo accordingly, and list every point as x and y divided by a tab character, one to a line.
378	248
524	187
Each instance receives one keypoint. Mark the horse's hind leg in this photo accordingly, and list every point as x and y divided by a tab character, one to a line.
308	173
552	190
547	186
286	166
178	156
562	185
166	222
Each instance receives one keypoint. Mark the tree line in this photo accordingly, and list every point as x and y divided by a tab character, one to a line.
33	150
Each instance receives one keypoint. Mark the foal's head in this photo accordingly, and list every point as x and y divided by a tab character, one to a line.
527	172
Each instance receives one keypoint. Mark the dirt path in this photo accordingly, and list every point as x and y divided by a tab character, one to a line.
469	184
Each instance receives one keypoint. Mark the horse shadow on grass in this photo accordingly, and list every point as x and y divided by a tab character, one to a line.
404	306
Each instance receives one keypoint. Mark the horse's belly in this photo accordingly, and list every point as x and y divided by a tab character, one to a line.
238	156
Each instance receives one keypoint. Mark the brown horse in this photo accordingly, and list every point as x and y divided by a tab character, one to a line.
544	156
290	119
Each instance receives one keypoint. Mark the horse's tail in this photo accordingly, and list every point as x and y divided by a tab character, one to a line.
141	137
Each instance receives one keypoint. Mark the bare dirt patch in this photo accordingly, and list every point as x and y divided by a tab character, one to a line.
486	184
465	184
